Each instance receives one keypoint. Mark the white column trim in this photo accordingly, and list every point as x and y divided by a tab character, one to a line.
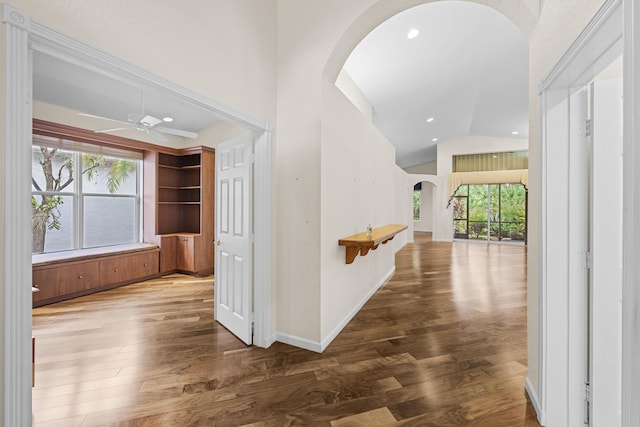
16	221
263	335
631	211
596	46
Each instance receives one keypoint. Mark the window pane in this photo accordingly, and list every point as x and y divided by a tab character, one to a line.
513	203
463	190
494	211
108	175
52	223
52	169
478	203
416	205
109	221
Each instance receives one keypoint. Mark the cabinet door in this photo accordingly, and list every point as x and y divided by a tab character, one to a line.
46	281
115	270
185	253
168	253
78	277
145	264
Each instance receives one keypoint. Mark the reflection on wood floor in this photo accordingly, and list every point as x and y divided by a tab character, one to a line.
443	343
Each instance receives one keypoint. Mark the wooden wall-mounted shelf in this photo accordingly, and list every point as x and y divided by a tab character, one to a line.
362	243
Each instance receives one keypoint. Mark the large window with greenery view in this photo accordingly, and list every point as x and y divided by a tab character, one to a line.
490	212
83	199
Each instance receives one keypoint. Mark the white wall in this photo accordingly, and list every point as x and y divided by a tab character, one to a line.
446	151
430	168
349	88
425	223
426	196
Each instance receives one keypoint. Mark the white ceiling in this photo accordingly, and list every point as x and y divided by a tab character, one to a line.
468	69
67	85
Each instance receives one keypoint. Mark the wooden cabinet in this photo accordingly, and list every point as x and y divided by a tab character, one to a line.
47	283
115	270
143	265
78	277
185	254
63	278
168	253
179	215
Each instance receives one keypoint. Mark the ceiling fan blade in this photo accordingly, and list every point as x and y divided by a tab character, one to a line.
177	132
101	118
155	134
111	130
136	117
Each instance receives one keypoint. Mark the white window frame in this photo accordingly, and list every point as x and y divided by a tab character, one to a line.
78	195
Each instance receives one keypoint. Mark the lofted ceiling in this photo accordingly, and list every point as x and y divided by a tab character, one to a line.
467	69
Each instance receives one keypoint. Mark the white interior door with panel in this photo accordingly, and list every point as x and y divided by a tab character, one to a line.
233	244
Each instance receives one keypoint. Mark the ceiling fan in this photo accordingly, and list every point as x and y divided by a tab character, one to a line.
145	123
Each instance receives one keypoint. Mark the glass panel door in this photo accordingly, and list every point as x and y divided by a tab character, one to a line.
478	212
495	212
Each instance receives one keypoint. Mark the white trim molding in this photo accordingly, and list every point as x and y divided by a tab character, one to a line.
631	209
16	221
559	398
263	336
22	37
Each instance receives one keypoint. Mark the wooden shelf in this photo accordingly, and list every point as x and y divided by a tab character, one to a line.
178	203
179	208
166	187
179	167
362	243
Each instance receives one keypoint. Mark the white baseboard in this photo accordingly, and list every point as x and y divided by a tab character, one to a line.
319	347
533	396
356	309
299	342
268	342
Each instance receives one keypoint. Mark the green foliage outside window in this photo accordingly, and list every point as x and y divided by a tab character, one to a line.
416	205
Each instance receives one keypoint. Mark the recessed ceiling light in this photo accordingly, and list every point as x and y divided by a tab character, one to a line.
515	132
167	119
430	119
413	33
434	140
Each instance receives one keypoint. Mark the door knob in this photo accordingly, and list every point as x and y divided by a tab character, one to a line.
217	242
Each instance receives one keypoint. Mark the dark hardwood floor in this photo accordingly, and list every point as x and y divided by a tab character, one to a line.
443	343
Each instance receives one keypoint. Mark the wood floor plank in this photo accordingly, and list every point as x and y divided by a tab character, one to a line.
442	343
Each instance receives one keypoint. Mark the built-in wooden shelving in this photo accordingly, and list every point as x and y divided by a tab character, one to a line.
179	213
362	243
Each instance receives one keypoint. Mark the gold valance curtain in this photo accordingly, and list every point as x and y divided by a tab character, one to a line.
456	179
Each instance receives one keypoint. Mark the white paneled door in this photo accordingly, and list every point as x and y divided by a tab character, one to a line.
233	247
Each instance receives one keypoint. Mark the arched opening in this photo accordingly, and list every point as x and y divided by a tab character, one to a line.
464	142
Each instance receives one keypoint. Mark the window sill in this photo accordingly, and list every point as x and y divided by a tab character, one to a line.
39	260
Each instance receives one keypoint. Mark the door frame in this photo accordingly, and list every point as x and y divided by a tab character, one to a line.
598	45
22	37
